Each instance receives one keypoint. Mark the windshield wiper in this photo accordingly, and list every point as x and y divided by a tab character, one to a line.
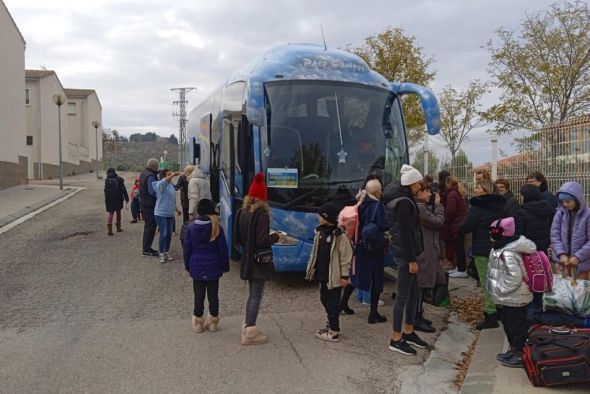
309	193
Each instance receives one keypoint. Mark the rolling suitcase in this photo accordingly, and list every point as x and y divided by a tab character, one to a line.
556	356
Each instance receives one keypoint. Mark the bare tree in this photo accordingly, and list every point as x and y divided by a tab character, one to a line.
543	71
460	114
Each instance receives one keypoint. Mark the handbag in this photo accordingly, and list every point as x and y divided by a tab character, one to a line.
264	256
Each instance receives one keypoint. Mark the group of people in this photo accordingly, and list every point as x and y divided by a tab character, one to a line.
421	223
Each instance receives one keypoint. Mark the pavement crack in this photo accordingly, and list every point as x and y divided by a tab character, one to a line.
289	342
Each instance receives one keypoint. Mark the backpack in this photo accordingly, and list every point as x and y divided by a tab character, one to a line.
111	187
349	219
539	277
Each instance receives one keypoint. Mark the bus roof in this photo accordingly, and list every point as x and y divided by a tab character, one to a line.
308	61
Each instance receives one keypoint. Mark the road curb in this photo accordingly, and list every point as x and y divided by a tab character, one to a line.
10	221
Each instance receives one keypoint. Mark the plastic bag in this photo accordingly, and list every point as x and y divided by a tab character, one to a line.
571	296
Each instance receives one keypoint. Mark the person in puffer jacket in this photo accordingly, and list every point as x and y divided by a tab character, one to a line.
570	232
206	258
506	286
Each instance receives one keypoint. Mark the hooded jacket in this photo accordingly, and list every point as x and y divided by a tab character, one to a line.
533	220
430	272
511	204
455	212
114	200
204	259
198	188
340	258
580	237
403	218
483	211
506	272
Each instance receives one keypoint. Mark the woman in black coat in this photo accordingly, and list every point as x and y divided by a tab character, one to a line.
533	219
253	236
115	193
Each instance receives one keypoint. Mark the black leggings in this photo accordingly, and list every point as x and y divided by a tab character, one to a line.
407	298
212	290
516	326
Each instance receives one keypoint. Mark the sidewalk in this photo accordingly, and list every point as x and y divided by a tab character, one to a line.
19	201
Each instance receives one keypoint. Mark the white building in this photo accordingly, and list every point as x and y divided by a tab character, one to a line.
79	139
13	150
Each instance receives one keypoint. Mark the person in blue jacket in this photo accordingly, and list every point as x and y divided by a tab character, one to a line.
206	258
164	211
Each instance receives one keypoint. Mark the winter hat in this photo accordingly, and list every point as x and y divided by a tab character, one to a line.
329	212
530	193
503	227
566	196
206	207
410	175
258	188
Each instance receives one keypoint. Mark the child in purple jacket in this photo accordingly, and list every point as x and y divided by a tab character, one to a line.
570	232
206	258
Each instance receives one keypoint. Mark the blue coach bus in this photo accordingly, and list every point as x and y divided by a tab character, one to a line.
316	122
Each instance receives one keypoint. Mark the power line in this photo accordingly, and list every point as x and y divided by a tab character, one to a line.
181	117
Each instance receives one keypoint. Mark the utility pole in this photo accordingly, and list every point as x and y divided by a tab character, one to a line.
181	117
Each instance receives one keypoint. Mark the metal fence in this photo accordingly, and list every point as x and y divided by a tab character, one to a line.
560	152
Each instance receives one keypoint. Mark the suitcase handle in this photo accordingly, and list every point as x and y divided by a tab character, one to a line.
561	331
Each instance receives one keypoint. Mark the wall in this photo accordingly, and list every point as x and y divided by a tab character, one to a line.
12	99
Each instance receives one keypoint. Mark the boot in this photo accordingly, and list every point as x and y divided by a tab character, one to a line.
119	229
421	324
375	317
213	322
197	324
489	321
251	336
110	228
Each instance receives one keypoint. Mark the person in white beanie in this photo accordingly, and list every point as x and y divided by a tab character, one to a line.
403	219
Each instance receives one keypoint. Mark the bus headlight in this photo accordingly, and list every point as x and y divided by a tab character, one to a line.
285	239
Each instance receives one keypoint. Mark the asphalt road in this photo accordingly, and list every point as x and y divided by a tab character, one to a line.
83	312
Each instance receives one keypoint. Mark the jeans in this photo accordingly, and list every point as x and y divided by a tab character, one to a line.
254	299
165	225
407	298
516	326
110	217
481	262
149	228
212	290
135	211
330	299
363	296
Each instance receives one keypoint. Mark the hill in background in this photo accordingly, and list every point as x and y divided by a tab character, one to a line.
133	156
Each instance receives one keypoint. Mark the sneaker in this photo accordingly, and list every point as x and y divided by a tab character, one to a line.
380	303
452	271
376	318
150	253
168	257
513	360
328	335
501	356
402	347
414	339
346	310
423	326
162	258
458	274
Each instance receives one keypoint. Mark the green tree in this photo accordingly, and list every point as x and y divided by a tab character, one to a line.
543	71
398	57
418	161
460	113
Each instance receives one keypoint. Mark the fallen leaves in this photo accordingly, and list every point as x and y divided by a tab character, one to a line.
463	365
468	310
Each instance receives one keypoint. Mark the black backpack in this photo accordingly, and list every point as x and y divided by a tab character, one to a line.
111	187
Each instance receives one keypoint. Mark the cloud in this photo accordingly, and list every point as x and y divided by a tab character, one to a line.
133	51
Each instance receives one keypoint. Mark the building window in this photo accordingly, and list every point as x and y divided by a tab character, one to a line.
71	108
29	140
28	96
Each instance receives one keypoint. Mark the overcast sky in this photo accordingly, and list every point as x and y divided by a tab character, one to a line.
133	51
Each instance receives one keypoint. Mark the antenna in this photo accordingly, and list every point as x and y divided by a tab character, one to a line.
324	38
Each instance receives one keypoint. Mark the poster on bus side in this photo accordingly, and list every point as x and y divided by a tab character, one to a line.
282	178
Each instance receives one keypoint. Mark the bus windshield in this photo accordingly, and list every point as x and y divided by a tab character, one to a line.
323	138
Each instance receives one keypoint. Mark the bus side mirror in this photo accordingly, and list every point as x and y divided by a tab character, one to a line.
427	100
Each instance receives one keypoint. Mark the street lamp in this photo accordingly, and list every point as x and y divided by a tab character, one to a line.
115	136
96	125
59	99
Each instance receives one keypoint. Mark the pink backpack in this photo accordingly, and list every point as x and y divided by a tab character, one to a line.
349	219
539	277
